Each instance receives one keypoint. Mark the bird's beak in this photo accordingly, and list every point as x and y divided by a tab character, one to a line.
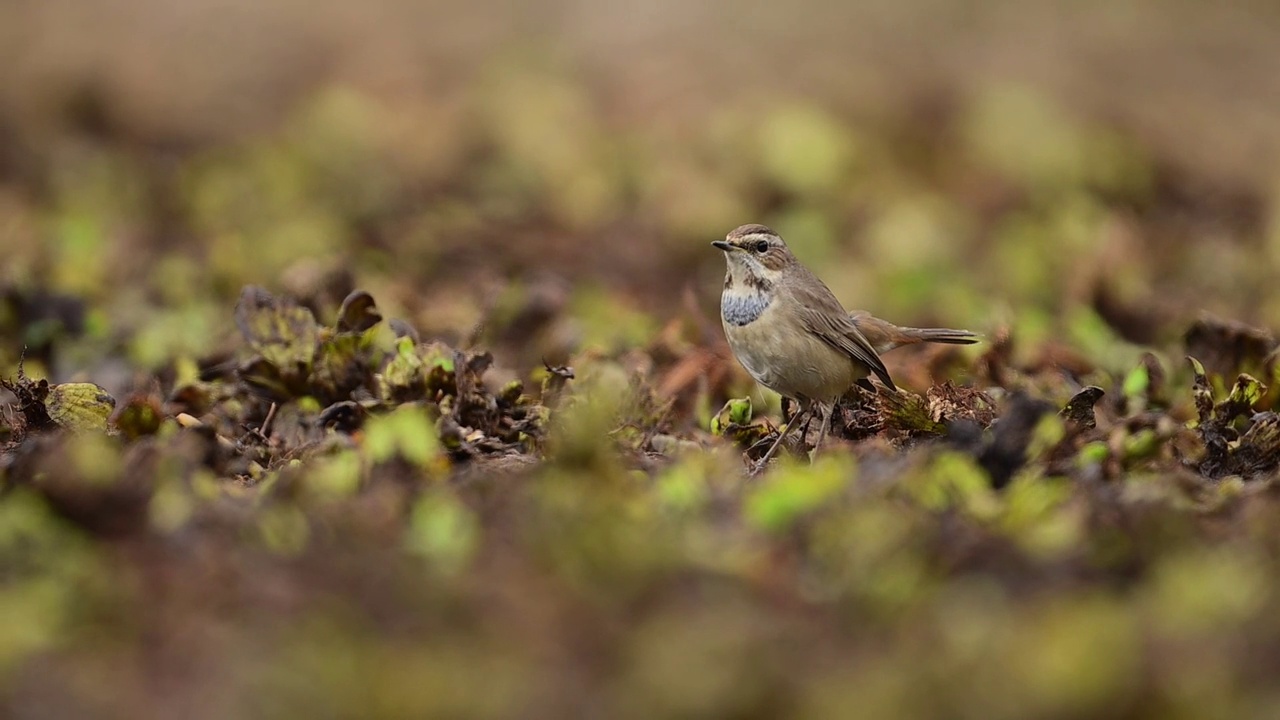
722	245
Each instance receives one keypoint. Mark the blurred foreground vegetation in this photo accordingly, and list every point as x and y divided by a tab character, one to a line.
370	366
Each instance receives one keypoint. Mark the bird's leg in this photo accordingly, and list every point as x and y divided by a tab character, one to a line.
804	432
827	411
782	434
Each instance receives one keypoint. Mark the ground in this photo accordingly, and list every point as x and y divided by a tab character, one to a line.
385	378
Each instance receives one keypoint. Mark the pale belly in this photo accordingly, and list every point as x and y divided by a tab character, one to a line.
789	360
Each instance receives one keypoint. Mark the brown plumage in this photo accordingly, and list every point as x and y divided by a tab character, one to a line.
885	336
793	336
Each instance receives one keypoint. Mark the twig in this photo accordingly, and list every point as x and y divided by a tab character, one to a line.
265	430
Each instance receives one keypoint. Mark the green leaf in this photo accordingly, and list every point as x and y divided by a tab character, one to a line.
955	481
403	379
284	529
1093	453
735	412
80	407
139	417
444	530
283	332
512	393
1246	393
1048	432
683	486
1196	367
793	491
1140	445
441	372
1136	383
335	476
1202	392
407	432
340	367
264	377
1039	516
171	506
96	458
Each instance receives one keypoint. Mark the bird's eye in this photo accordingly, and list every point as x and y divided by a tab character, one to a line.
762	246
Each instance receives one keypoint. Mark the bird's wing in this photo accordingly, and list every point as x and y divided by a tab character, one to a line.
879	332
839	333
823	316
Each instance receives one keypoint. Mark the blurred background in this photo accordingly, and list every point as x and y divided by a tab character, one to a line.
1081	172
543	179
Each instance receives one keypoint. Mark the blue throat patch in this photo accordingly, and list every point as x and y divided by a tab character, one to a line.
739	310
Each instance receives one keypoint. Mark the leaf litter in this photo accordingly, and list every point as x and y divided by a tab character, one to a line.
309	441
296	388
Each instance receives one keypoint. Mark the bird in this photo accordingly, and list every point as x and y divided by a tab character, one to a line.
790	333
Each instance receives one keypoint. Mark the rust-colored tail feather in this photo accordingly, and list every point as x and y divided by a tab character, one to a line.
885	336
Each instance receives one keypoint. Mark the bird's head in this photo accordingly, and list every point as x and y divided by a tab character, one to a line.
755	251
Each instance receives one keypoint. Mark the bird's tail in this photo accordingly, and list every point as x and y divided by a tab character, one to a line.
940	335
885	336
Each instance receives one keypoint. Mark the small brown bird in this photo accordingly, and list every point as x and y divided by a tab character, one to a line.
794	337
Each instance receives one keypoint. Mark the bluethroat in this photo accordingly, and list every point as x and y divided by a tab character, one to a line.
794	337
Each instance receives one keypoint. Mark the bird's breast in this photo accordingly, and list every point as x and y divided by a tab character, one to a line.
743	308
773	344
